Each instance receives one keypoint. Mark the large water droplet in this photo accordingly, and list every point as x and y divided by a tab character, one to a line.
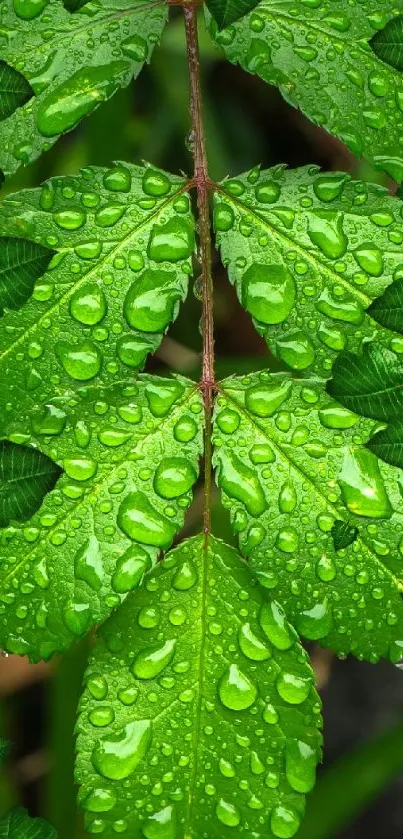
100	800
151	661
155	183
173	477
263	400
75	98
88	304
150	302
29	9
362	487
315	623
239	481
300	763
284	822
142	523
130	568
161	825
81	361
251	645
172	241
227	813
236	690
268	292
116	757
292	688
325	229
275	626
88	564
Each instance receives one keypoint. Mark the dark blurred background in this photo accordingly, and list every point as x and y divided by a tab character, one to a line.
359	794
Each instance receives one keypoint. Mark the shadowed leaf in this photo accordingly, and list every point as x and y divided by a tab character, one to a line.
387	44
26	476
21	263
370	384
15	91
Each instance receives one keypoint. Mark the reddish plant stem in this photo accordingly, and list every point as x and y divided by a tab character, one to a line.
202	183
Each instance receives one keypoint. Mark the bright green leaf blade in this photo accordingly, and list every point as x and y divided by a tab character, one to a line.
322	61
130	457
73	62
387	444
206	684
370	384
289	463
15	91
387	44
123	239
388	309
17	824
228	11
307	253
22	263
26	476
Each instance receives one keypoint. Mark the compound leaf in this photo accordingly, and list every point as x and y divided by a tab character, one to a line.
290	462
71	62
129	455
308	252
326	62
26	476
387	443
387	44
17	824
14	90
370	384
388	308
121	240
207	684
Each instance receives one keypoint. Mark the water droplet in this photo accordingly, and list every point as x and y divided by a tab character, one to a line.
81	361
287	500
116	757
292	688
117	179
227	813
88	304
267	192
132	350
71	219
236	690
185	577
151	661
155	183
329	187
88	565
296	350
326	569
268	292
251	645
161	825
143	523
76	97
228	420
264	400
29	9
185	430
100	801
362	487
300	763
370	259
161	396
346	309
97	686
224	217
284	822
239	481
315	623
226	768
172	241
174	476
101	716
150	301
325	229
50	421
80	468
335	416
275	626
130	569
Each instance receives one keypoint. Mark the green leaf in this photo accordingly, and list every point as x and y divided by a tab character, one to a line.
307	253
228	11
290	462
73	62
15	91
26	476
323	62
123	239
343	535
387	43
387	444
17	824
370	384
21	263
130	457
388	309
207	686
